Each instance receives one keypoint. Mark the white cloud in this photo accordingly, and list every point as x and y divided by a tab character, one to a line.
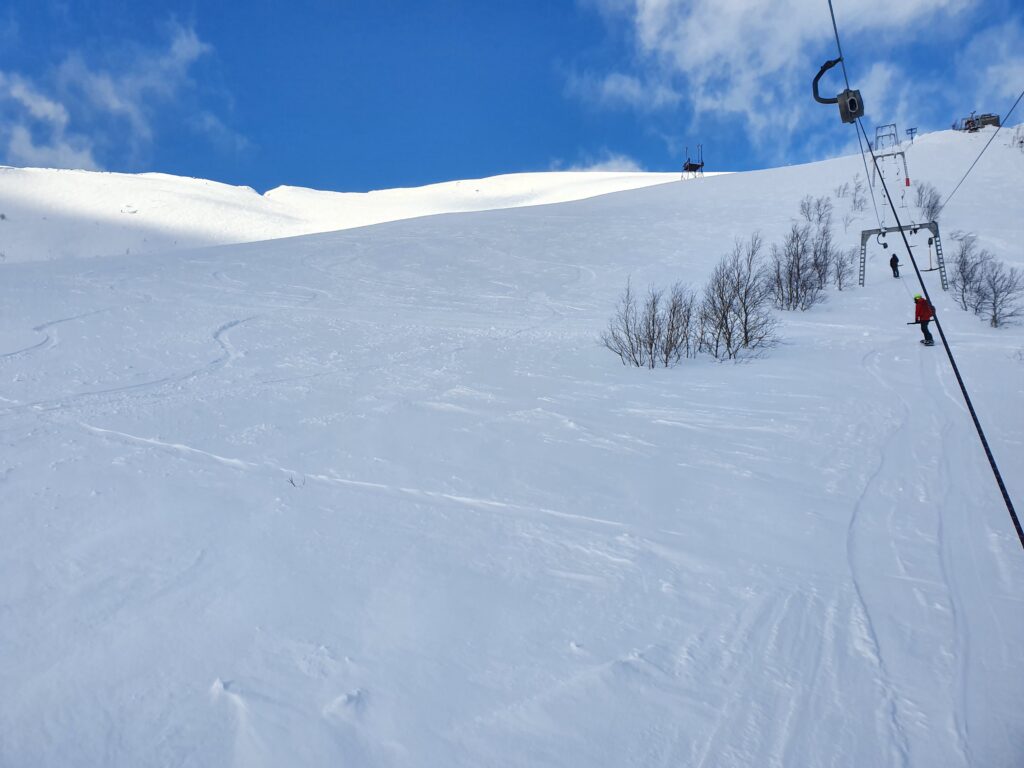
37	105
619	89
24	107
748	60
987	76
605	160
211	126
82	109
147	80
888	87
992	66
58	152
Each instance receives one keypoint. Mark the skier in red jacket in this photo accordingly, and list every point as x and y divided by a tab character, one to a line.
923	313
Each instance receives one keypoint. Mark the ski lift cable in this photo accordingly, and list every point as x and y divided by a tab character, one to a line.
839	46
952	362
906	286
924	289
867	176
846	79
991	138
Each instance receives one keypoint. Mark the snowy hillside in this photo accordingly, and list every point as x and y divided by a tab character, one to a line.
51	214
378	497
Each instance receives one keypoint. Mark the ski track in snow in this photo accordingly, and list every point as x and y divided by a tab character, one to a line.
292	474
69	401
47	342
875	652
932	484
50	340
962	639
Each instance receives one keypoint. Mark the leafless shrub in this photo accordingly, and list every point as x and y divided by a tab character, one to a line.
858	201
824	254
817	212
1003	287
928	201
623	334
749	279
651	329
842	268
987	287
842	190
734	313
719	323
679	322
659	331
792	282
1017	139
966	284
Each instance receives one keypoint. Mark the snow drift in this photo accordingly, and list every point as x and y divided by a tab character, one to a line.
52	214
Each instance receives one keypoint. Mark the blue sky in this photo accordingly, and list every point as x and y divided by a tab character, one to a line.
368	95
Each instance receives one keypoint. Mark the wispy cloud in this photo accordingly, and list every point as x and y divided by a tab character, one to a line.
218	133
35	129
58	152
150	79
604	160
618	89
992	64
82	111
752	62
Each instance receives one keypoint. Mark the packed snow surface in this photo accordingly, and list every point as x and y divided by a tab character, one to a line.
378	497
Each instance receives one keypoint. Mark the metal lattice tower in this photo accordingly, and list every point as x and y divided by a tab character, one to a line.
886	137
897	153
913	229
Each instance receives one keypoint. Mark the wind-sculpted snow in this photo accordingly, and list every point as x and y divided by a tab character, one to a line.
48	214
379	497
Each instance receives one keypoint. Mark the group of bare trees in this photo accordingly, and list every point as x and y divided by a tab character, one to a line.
732	315
656	329
808	260
858	200
735	309
982	285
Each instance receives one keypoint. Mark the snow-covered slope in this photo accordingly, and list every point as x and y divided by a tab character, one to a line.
51	214
377	497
